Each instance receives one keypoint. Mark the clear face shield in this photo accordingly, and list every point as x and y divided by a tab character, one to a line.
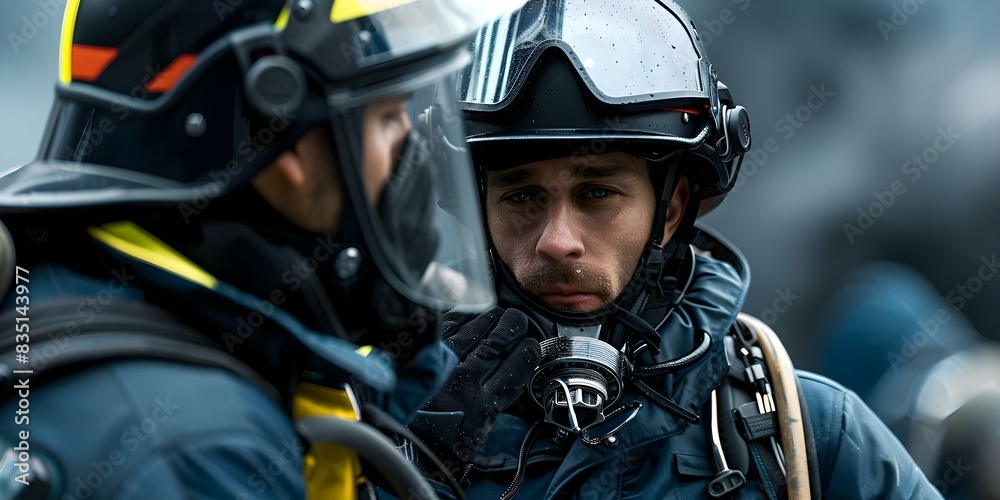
409	181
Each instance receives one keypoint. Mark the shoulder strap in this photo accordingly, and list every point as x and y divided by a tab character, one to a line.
745	405
778	412
62	341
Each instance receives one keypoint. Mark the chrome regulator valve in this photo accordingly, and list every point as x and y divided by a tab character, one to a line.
577	380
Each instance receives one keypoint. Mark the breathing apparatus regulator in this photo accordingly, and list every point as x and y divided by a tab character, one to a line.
546	82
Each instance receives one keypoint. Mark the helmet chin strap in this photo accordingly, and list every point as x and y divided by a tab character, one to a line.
668	269
662	263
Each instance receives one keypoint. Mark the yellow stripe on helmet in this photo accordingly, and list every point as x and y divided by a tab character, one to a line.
345	10
66	41
282	21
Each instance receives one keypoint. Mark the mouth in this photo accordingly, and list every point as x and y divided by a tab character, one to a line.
570	298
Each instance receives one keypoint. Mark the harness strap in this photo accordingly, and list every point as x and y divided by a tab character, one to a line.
795	446
127	330
745	430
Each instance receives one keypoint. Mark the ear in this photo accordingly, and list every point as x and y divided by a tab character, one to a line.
675	210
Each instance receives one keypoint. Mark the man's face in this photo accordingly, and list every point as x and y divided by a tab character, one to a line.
387	125
572	230
303	184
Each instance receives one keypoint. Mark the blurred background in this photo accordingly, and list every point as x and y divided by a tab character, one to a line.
876	129
894	77
868	207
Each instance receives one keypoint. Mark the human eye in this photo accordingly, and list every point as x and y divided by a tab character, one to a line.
519	197
599	193
394	114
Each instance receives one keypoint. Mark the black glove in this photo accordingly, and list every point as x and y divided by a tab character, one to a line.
496	360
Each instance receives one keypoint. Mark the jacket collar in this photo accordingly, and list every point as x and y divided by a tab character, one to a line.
244	317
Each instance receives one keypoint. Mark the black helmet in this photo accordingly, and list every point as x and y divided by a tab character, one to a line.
171	103
564	78
158	99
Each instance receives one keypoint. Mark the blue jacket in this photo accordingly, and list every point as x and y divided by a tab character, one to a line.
659	455
155	428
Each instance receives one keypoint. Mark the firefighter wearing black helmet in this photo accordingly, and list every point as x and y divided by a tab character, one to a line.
618	363
242	227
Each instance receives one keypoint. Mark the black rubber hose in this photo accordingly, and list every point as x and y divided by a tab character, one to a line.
374	447
382	420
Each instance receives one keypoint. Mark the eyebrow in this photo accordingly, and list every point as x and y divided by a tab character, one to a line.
599	171
510	178
590	172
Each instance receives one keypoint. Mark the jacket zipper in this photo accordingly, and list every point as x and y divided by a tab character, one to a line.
529	439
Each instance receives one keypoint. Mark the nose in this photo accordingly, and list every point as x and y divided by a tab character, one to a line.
398	137
561	236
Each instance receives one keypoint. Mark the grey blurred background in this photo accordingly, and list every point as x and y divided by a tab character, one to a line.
894	77
900	74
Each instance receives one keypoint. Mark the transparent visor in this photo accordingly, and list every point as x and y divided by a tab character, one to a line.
394	29
625	51
421	200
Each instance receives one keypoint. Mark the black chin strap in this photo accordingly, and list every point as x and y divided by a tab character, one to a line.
669	185
663	263
666	283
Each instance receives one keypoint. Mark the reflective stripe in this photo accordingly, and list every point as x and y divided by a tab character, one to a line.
282	21
345	10
66	42
89	61
134	241
165	80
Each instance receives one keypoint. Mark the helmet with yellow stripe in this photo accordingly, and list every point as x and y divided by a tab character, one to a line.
170	104
173	100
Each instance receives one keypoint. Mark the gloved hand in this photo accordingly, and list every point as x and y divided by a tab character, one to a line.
496	360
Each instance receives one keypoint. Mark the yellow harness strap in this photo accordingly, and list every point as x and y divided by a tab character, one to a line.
331	471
